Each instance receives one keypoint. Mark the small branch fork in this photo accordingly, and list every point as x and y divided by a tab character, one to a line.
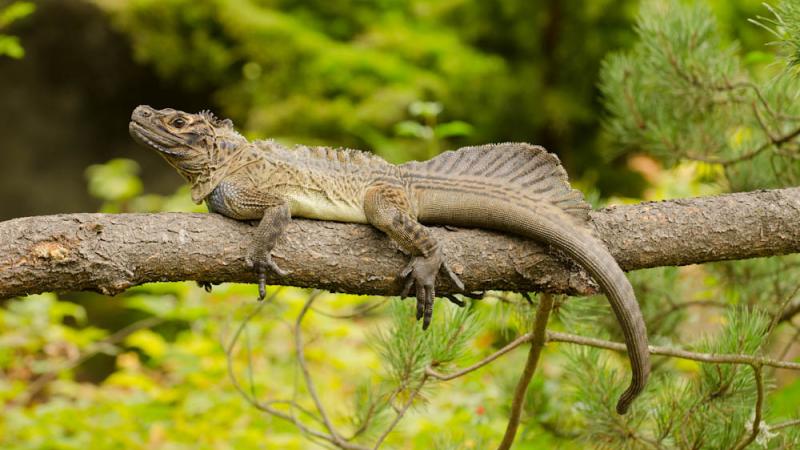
757	363
325	439
728	88
331	436
335	437
324	432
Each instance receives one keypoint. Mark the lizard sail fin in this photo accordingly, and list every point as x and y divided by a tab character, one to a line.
522	168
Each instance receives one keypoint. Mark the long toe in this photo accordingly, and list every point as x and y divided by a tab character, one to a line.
409	282
426	321
420	304
453	277
262	284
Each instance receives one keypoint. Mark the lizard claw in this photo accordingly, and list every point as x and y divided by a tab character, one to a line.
453	277
421	272
453	299
207	285
260	266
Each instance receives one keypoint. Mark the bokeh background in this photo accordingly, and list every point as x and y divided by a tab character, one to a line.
333	72
405	79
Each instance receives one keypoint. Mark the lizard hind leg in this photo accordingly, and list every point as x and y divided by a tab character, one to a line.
387	208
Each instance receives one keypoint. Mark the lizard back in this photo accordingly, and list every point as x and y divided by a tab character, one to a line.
323	183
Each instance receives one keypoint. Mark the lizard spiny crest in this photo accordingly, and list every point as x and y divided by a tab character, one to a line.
200	146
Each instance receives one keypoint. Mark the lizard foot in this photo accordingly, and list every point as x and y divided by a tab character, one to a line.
421	272
260	264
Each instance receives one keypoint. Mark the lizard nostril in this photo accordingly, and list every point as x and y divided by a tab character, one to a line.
142	111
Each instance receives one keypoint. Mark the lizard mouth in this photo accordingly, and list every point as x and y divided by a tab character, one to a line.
149	138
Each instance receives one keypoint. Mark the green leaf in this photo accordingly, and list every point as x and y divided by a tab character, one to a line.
115	180
60	310
16	11
157	305
409	128
151	343
425	110
455	128
758	57
10	46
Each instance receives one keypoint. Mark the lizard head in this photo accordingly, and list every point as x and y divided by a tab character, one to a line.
200	146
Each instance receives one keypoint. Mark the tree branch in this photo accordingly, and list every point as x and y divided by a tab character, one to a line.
538	339
110	253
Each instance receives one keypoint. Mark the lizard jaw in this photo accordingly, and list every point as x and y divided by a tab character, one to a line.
146	138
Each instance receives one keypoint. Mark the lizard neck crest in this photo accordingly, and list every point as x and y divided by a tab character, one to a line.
223	159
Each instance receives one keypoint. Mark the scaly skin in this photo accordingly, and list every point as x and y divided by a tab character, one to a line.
514	187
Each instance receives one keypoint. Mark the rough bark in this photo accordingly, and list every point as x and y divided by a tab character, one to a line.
110	253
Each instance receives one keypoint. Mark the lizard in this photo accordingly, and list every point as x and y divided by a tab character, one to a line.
515	188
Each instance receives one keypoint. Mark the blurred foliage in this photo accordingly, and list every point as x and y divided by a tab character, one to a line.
10	45
341	73
784	26
117	184
347	72
684	93
408	79
426	128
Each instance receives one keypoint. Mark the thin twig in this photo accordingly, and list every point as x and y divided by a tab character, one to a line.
510	346
776	319
539	338
759	407
538	335
267	406
762	124
728	87
364	426
402	411
688	304
250	378
787	424
293	404
790	343
554	336
772	141
301	360
722	358
262	406
790	311
354	314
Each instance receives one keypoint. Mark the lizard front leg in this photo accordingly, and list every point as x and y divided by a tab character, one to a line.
388	209
272	226
238	199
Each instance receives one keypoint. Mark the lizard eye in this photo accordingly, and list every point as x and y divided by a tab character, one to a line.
178	122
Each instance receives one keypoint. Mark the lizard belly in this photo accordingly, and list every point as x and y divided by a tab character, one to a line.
318	207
